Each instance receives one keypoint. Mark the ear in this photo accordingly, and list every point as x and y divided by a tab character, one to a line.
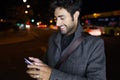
76	15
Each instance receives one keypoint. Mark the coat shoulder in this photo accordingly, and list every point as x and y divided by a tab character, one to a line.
91	38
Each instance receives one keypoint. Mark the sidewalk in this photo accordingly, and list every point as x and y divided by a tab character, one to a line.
14	37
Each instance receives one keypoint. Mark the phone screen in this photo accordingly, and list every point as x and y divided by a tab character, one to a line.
27	61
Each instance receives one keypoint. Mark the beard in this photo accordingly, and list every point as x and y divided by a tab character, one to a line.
67	29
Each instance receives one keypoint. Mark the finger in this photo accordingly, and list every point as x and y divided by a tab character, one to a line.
40	64
33	72
33	67
36	67
35	59
42	67
35	76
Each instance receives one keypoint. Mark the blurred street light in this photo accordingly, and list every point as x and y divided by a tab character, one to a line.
26	12
51	21
1	20
28	6
24	1
95	15
32	20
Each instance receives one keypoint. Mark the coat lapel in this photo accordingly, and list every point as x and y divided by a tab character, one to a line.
57	41
77	35
58	54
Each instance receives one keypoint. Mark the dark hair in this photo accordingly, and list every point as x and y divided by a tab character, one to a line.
70	5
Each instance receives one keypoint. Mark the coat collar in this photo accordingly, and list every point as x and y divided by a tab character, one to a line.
77	34
78	31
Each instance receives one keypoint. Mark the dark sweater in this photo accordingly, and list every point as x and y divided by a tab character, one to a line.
65	41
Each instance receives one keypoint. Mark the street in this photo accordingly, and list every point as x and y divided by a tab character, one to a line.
12	56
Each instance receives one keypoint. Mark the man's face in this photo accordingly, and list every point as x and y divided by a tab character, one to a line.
64	21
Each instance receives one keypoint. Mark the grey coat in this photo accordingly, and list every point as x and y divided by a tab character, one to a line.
86	63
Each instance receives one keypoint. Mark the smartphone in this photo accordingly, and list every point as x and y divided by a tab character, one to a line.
27	61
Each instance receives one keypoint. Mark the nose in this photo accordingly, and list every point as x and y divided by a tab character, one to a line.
58	22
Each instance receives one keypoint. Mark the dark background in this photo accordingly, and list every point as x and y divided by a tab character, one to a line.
41	6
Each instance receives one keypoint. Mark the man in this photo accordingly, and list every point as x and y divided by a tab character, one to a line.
87	61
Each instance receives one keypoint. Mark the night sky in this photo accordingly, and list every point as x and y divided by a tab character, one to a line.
89	6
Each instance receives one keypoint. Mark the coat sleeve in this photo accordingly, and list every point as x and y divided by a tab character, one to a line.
50	41
96	69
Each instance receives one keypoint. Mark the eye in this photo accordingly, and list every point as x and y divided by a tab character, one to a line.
62	18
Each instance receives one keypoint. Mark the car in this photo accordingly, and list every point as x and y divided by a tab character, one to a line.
94	30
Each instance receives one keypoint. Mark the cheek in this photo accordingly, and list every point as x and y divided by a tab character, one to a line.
70	23
67	22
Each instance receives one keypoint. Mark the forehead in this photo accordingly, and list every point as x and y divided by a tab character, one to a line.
61	11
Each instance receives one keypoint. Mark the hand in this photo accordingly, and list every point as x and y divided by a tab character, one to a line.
39	70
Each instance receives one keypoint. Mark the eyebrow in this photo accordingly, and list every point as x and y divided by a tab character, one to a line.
60	16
